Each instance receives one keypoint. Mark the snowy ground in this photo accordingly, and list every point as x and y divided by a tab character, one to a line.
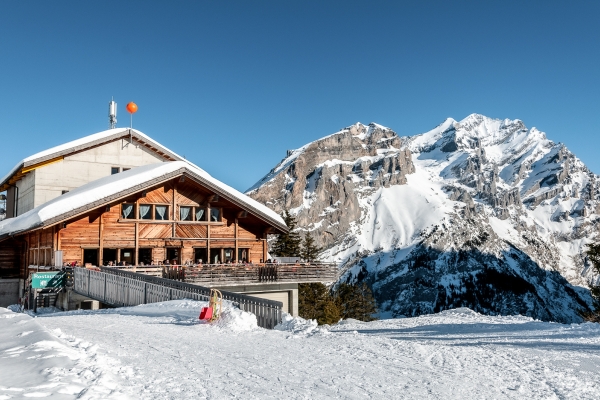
160	351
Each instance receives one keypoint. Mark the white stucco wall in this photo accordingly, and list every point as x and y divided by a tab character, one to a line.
26	194
87	166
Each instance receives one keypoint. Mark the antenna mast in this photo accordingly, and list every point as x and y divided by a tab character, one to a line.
112	114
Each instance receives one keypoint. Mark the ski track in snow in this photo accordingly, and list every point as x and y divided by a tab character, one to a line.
161	351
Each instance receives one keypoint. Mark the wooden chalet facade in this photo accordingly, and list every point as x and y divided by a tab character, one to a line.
177	217
163	224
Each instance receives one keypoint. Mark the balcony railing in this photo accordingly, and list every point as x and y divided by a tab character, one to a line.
236	274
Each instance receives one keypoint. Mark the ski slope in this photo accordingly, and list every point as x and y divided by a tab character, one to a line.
162	351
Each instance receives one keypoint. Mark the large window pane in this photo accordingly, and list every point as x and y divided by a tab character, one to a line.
145	256
185	213
127	211
215	214
228	255
215	256
200	214
145	211
127	256
161	212
200	255
243	255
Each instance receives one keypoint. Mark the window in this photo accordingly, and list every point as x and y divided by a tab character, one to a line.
200	214
126	169
243	255
127	256
161	212
128	211
64	191
215	256
145	211
228	255
185	213
145	256
200	255
90	256
109	256
114	170
215	214
173	255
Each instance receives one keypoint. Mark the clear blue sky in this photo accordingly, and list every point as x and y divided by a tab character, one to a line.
233	84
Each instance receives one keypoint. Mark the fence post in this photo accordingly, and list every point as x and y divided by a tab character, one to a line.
145	291
104	291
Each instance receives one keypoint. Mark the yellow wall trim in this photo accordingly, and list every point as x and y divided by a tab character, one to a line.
42	164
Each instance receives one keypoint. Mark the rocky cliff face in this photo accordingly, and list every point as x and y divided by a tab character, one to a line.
321	183
480	213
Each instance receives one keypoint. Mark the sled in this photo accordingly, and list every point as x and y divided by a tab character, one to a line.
215	304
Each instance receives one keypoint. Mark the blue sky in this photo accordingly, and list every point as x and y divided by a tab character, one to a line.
233	84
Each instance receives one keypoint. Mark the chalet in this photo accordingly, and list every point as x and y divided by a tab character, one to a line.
119	197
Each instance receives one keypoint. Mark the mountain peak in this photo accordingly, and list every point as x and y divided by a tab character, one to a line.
482	203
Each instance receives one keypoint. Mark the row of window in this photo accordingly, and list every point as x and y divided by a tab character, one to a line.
173	255
160	212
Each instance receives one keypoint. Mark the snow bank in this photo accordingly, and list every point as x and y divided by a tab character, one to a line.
236	320
298	326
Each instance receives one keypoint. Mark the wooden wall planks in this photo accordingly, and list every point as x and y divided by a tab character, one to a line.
191	231
161	231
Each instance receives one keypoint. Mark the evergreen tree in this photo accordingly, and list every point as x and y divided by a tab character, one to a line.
310	251
287	244
316	302
593	254
356	301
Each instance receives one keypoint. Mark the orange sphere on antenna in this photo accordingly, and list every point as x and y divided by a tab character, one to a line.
131	107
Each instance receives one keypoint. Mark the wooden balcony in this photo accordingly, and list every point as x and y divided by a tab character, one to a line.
240	274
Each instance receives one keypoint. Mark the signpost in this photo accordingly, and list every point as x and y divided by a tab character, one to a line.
44	280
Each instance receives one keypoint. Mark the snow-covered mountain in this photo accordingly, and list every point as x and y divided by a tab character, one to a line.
482	213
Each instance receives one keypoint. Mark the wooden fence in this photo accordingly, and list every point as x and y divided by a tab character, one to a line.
123	288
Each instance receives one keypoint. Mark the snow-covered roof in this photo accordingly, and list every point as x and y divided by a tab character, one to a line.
114	187
88	142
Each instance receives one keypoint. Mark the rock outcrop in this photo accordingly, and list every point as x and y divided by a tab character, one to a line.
321	182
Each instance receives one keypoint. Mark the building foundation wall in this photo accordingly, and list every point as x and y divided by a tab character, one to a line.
9	292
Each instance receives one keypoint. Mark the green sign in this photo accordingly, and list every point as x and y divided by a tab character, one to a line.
42	280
